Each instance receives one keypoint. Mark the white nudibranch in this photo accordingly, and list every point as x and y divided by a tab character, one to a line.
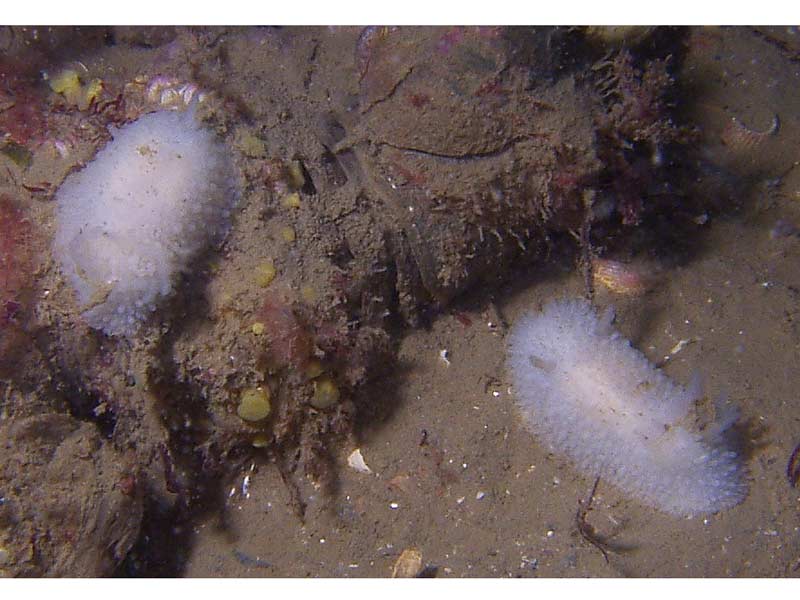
136	216
587	394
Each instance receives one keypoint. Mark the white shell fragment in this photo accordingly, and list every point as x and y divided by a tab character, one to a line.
444	356
356	461
408	564
679	346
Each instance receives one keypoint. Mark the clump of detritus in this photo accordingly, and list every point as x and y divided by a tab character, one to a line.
17	258
567	187
288	341
636	129
22	110
313	364
636	99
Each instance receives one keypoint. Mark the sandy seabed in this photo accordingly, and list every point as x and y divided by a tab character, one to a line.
454	474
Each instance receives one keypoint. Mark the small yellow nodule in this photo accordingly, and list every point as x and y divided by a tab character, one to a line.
68	84
291	200
65	81
260	441
265	273
288	234
314	369
295	175
326	394
254	404
92	91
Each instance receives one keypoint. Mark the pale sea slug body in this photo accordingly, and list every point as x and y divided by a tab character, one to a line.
138	215
588	394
